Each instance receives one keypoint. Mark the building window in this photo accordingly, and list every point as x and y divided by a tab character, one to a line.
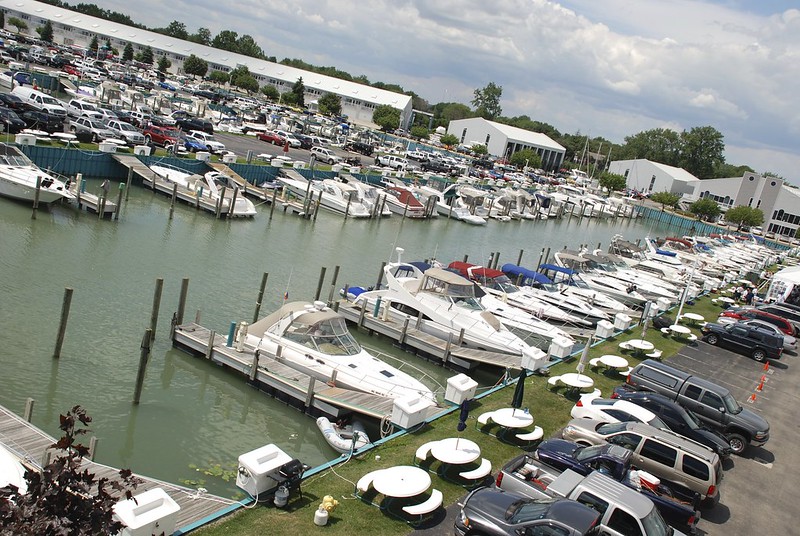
626	173
463	135
487	139
652	183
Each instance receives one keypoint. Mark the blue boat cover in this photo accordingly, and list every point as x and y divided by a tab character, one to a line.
421	266
556	268
515	271
666	253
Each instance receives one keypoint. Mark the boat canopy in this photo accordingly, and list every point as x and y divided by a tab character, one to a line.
666	253
556	268
529	276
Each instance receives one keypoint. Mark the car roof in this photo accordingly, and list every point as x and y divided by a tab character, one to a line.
637	411
673	439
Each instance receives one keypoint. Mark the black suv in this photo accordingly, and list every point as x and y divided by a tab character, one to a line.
195	123
361	147
753	341
437	166
676	417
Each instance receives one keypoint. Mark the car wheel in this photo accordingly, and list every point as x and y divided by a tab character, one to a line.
712	339
95	138
147	140
759	355
737	442
73	129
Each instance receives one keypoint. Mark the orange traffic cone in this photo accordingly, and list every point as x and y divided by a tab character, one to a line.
763	378
766	366
760	386
752	398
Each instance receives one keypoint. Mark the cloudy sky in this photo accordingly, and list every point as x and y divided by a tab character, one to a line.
611	68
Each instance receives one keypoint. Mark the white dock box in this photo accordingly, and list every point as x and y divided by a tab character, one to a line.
299	164
25	139
460	388
143	150
203	156
560	347
410	411
534	359
622	321
276	162
604	329
258	469
229	158
336	168
152	512
663	304
107	147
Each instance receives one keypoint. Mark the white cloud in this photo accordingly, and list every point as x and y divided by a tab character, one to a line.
612	68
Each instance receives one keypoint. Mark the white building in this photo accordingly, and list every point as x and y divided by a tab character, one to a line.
504	140
650	177
72	28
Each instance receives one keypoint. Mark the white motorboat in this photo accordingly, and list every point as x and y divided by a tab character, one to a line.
619	290
209	185
12	472
444	304
373	198
333	195
18	176
447	204
314	340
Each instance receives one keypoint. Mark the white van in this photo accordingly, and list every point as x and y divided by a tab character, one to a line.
40	101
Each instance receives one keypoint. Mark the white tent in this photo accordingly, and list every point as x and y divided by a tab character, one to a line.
783	283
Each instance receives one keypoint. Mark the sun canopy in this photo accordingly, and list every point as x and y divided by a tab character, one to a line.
514	271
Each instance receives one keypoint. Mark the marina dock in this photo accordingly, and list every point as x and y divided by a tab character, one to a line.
282	381
267	195
30	444
101	205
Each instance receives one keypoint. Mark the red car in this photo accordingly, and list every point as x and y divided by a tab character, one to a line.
160	135
743	313
271	137
69	69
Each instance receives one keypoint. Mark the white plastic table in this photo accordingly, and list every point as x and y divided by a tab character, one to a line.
677	329
402	481
693	317
512	418
641	345
456	451
64	136
614	361
577	381
726	300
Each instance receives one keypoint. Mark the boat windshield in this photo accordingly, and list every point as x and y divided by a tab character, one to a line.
329	337
15	159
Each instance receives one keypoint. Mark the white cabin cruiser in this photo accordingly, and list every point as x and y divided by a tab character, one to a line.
333	195
18	175
314	340
209	185
447	204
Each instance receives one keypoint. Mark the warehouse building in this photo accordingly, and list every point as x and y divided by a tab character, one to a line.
72	28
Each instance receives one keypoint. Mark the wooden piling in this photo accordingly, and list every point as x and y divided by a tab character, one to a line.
403	334
156	305
28	413
541	256
446	356
119	201
92	447
182	300
519	258
347	208
210	347
362	313
128	183
260	295
36	197
491	260
380	276
62	326
172	200
143	356
254	367
220	202
333	284
101	209
319	283
465	258
310	393
272	203
233	202
460	337
316	206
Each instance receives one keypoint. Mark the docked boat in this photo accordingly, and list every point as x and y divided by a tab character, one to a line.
447	204
333	195
12	472
373	198
209	185
343	438
314	339
18	176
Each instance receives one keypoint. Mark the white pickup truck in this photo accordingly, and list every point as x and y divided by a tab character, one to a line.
204	137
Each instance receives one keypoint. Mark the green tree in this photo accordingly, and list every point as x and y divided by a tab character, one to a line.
702	150
658	145
743	215
127	53
46	32
163	64
479	149
195	66
271	92
145	56
444	112
219	77
203	36
247	46
226	40
65	497
330	104
177	30
17	23
449	140
420	132
241	78
705	209
667	199
612	182
487	101
299	92
386	117
93	45
526	157
2	19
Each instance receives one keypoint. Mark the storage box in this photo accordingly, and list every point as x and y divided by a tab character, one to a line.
107	147
203	156
152	512
560	347
534	359
143	150
410	411
258	469
604	329
299	165
663	304
25	139
229	158
622	321
459	388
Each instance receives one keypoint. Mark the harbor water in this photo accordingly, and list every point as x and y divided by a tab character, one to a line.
194	417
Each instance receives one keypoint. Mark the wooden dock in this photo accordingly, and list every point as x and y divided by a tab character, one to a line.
31	443
93	203
152	180
436	347
282	381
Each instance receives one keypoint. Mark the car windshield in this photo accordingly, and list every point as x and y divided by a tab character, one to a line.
127	127
527	510
612	428
656	422
731	405
654	525
584	453
96	124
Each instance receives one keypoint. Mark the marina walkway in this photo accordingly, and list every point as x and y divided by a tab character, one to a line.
30	444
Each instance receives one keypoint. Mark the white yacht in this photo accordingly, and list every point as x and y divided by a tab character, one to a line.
18	176
375	199
333	195
315	340
210	185
447	205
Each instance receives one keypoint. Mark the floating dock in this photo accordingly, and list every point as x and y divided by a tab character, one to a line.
31	444
281	381
103	206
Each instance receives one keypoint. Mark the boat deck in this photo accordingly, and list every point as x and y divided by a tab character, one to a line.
104	207
267	195
30	444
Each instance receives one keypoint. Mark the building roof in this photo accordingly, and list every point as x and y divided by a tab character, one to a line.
676	173
165	43
520	135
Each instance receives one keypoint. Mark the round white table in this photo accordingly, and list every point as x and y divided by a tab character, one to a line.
641	345
402	481
577	381
693	317
614	361
726	300
677	329
512	418
456	451
64	136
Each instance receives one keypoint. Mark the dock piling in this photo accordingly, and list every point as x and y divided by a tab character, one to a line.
92	447
145	352
319	282
28	413
156	305
310	393
119	201
260	295
254	368
519	258
36	197
233	202
128	183
272	204
333	285
210	348
62	326
182	300
172	200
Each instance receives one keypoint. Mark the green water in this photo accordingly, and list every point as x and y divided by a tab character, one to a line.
193	412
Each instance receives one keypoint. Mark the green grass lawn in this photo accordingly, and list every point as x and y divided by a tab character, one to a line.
352	516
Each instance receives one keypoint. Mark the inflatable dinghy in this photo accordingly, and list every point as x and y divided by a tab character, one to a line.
341	438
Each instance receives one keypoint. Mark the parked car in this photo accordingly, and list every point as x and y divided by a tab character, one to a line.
10	121
208	139
9	100
324	155
158	135
497	512
306	142
781	310
188	124
361	147
79	107
96	129
192	145
437	166
419	156
677	418
40	101
712	403
610	410
126	131
789	341
743	313
753	341
682	463
37	120
288	136
394	162
270	137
